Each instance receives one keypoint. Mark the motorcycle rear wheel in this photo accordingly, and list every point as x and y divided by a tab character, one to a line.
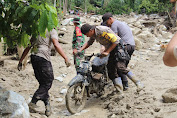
75	102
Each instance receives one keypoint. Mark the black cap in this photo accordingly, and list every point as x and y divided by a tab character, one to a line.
105	17
86	28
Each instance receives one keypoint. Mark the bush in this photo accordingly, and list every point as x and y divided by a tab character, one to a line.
148	7
116	7
154	7
139	6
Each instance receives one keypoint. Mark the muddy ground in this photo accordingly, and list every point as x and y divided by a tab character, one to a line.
146	64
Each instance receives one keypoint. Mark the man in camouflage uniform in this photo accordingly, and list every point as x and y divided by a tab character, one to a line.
77	43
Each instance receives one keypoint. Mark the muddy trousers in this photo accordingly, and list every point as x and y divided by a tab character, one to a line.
116	67
130	49
44	74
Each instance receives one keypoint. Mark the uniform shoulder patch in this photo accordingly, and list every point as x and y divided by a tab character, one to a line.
78	31
109	36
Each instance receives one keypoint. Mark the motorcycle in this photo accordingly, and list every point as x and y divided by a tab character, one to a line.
90	79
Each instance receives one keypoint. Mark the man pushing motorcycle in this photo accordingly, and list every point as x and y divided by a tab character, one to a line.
113	46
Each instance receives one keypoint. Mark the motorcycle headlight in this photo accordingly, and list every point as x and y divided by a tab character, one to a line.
84	67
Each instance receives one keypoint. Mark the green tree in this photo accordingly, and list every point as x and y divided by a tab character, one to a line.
21	20
154	6
127	6
117	7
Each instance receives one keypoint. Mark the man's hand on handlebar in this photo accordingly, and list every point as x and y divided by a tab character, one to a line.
104	54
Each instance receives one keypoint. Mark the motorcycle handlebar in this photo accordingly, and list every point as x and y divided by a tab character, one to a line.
90	56
97	54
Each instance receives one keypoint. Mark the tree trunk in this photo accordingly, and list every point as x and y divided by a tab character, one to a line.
102	3
54	3
85	7
60	4
64	7
66	4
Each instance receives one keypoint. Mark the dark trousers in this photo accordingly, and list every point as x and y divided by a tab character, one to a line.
119	68
130	49
116	67
44	74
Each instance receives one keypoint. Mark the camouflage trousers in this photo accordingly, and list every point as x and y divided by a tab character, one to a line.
77	60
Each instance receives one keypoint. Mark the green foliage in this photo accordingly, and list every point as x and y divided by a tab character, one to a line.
90	7
96	3
117	7
52	21
22	20
154	6
78	3
140	6
43	23
149	6
24	39
164	6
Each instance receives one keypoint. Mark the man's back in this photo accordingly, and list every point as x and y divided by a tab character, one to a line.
105	36
43	45
123	31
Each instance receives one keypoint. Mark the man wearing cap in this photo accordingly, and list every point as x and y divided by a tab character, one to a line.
77	43
106	37
125	33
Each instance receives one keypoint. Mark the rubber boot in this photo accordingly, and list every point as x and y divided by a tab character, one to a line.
124	82
32	107
136	82
125	85
119	87
48	110
118	84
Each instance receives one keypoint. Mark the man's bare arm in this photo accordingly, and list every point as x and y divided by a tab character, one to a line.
85	46
60	51
169	57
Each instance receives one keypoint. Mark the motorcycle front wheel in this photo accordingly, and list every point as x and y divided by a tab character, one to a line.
75	100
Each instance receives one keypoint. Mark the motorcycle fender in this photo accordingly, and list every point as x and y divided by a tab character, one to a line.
78	78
